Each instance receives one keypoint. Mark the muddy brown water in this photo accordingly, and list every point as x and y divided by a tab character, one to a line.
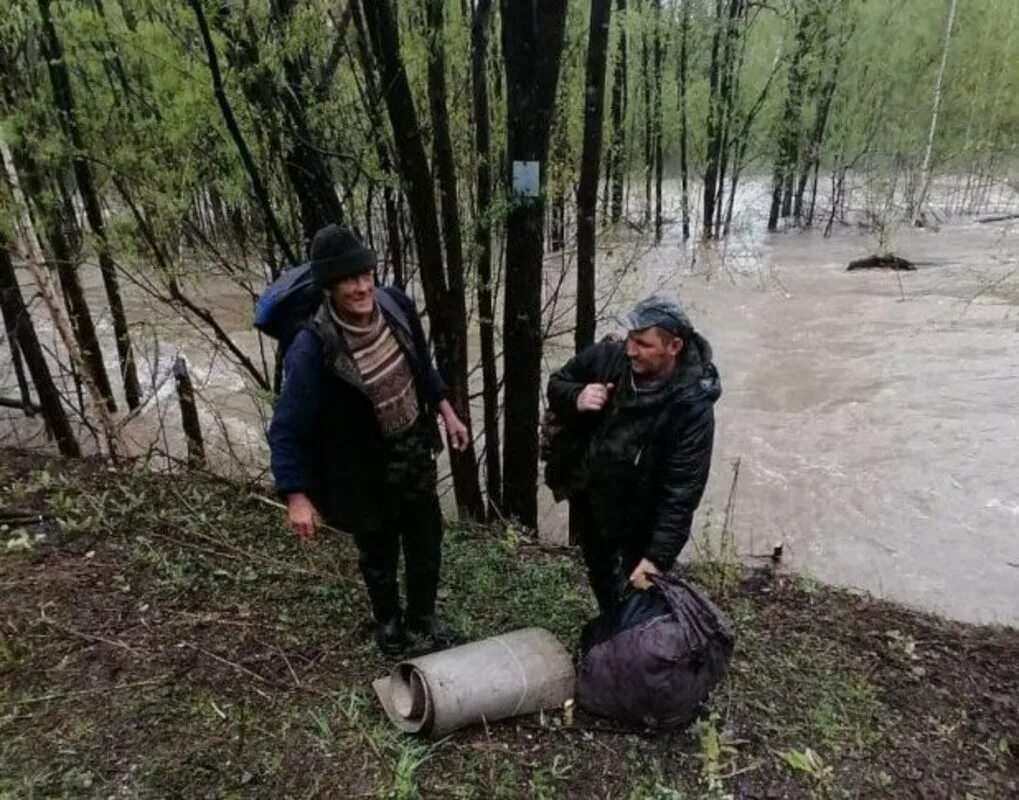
874	415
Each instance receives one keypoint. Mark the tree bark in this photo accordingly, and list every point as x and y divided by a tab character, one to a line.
532	39
448	322
52	205
925	170
649	153
60	323
659	57
63	98
561	158
713	126
826	95
683	133
235	133
789	132
590	161
616	152
306	166
189	413
483	248
465	464
728	96
22	336
391	196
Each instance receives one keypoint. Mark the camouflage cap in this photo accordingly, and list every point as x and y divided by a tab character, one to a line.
659	311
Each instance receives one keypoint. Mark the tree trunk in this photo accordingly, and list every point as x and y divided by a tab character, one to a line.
728	94
24	390
616	153
925	170
53	208
826	95
44	289
392	198
532	38
561	159
590	161
306	167
658	133
465	465
789	132
649	153
189	413
394	249
63	98
713	127
483	247
683	133
448	321
235	132
22	335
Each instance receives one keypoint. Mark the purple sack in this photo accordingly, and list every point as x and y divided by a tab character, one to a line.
655	657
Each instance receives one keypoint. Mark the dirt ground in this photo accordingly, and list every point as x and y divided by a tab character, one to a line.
163	636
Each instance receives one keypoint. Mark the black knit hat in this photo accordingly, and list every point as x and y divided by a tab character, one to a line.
336	254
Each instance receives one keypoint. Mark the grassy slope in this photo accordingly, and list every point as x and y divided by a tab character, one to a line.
167	638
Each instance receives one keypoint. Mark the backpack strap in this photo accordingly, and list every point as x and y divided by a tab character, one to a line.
388	303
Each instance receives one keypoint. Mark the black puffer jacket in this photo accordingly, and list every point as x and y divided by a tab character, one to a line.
644	459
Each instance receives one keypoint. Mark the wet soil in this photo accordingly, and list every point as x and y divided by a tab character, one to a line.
165	637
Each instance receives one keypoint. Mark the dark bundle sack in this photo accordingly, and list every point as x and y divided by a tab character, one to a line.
287	303
654	658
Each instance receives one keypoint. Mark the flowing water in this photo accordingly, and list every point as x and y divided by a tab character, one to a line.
874	415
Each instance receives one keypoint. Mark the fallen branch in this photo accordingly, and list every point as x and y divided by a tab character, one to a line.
88	637
30	408
240	668
98	690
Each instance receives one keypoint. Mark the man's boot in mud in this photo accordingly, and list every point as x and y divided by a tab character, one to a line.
391	636
435	630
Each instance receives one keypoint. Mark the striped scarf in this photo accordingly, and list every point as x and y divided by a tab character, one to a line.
384	369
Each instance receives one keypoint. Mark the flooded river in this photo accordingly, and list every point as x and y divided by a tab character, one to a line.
874	415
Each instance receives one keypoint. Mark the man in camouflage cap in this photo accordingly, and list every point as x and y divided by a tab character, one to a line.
634	450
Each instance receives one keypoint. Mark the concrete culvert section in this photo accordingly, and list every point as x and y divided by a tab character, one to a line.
505	676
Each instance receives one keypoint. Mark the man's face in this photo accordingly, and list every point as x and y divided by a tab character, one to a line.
652	352
355	296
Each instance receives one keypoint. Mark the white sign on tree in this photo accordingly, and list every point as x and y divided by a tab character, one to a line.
526	176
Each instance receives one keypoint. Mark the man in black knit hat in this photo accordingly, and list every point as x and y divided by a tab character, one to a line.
354	435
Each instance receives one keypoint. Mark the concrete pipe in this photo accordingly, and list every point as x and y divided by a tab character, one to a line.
517	673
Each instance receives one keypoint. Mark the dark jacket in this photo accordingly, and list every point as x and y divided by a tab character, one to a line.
643	461
325	438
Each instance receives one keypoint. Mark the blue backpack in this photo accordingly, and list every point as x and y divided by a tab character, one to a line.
287	303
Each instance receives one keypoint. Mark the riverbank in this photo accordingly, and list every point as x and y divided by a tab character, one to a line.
164	636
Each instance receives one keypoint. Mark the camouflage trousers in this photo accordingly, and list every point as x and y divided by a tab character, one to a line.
610	551
411	521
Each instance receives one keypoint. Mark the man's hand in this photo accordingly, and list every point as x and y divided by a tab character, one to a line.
639	576
456	431
594	396
301	516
